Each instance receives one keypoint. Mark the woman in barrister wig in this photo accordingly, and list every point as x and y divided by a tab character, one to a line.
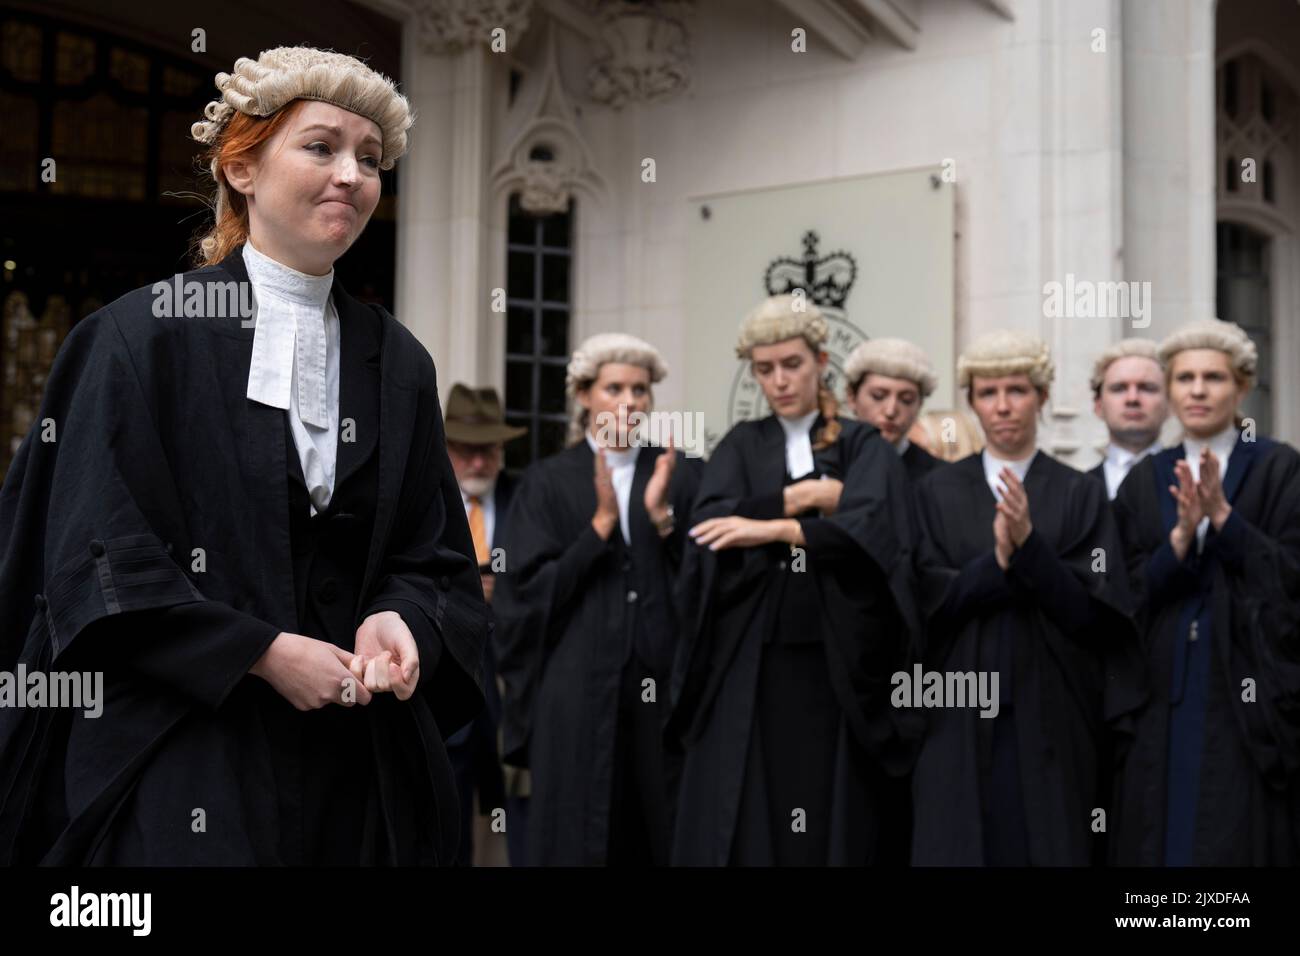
249	524
1212	534
586	623
887	381
799	594
1021	579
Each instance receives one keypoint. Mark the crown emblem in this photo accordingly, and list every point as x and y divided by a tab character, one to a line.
825	279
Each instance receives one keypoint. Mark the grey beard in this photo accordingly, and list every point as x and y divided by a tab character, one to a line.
478	487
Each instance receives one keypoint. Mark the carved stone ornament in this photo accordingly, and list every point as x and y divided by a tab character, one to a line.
546	188
450	26
547	160
644	55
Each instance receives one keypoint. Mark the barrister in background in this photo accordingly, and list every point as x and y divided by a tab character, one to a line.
799	606
1128	391
1008	550
1211	530
888	380
476	437
586	623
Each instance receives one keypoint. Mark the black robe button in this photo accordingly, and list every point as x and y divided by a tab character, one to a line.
444	582
40	602
97	548
328	592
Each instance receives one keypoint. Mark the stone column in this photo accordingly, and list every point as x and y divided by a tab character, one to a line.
443	292
1169	149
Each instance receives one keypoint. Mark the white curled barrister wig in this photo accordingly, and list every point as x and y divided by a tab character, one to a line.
1005	352
782	317
1226	337
895	358
261	88
1124	348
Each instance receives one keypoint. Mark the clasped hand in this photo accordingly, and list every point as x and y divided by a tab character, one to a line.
1011	524
311	673
1197	500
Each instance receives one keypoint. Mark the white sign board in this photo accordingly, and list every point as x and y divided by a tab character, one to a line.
875	252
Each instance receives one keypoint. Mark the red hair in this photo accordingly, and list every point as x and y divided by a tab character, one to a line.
243	135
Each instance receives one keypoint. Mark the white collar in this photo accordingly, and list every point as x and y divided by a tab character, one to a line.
290	336
272	278
1123	458
903	445
622	475
615	457
798	443
797	426
1221	444
993	468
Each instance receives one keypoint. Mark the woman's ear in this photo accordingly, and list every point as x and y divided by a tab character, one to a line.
240	174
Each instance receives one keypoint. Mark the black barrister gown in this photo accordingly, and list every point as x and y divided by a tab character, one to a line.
896	840
581	623
159	453
918	462
1021	788
1213	779
781	687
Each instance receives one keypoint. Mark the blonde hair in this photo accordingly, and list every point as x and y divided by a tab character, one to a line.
967	437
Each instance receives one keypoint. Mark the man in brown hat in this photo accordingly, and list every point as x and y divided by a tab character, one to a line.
476	437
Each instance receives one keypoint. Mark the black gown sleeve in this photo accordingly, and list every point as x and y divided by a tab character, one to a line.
86	522
430	576
546	571
952	593
201	649
1037	573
